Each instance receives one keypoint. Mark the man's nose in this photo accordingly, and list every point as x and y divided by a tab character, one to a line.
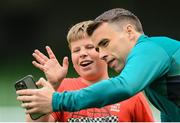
103	55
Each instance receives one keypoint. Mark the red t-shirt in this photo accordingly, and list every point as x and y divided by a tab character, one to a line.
134	109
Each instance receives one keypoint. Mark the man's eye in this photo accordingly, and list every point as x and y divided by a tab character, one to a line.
97	49
104	43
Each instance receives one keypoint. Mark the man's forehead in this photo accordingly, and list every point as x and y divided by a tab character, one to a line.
102	26
100	33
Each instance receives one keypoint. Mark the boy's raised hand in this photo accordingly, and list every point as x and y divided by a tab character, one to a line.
53	71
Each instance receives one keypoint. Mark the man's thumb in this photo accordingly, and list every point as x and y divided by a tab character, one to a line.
41	82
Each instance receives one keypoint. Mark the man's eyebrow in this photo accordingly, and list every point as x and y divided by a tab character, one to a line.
102	41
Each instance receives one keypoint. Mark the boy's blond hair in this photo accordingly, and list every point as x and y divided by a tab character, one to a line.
78	32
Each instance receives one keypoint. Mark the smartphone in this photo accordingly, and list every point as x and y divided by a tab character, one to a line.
28	82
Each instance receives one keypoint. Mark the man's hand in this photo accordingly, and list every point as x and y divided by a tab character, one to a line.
53	71
37	100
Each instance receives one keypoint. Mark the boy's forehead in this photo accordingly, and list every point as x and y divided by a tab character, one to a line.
81	42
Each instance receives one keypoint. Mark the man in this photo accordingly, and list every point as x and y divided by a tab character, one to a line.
91	69
151	64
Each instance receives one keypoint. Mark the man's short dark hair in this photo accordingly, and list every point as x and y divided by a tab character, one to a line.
115	15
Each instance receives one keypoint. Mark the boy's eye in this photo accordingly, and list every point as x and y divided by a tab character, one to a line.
75	50
90	47
103	43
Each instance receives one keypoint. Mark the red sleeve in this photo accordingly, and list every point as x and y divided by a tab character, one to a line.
58	115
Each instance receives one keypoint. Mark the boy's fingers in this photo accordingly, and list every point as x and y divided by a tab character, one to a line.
65	62
41	67
50	52
39	59
41	55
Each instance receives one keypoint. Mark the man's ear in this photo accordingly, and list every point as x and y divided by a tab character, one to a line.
129	28
130	31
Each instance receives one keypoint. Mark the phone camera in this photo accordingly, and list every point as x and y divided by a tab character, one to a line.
21	85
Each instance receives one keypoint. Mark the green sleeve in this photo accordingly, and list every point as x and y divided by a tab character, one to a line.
145	63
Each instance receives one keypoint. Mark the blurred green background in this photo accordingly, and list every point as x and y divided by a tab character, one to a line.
26	25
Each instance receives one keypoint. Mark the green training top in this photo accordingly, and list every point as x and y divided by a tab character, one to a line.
152	65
